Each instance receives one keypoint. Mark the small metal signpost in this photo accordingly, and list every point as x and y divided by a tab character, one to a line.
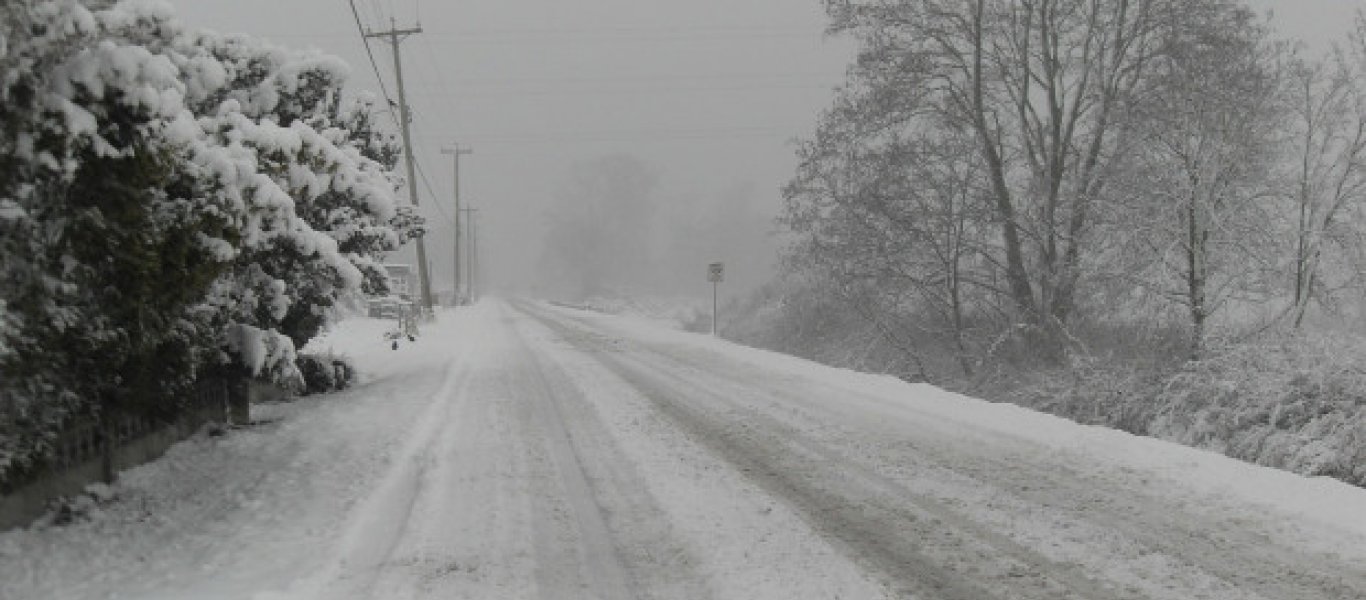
716	273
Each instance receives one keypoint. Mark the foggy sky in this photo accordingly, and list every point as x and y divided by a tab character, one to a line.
709	93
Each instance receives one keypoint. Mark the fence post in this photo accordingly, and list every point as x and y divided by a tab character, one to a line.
239	401
106	429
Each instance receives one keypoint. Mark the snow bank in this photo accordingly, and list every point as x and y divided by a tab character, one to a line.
676	312
1192	473
225	517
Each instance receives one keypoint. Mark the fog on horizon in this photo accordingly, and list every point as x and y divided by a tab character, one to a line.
663	132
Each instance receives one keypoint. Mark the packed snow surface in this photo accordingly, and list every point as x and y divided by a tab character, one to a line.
522	450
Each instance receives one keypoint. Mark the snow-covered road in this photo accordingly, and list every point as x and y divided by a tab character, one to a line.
520	450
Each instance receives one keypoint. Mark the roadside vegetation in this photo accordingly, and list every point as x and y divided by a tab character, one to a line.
174	204
1144	214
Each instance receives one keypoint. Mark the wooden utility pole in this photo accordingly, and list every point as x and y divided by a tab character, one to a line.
396	35
455	154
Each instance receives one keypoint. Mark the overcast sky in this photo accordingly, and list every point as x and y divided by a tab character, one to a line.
708	92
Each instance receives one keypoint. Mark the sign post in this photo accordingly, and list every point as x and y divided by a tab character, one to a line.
716	273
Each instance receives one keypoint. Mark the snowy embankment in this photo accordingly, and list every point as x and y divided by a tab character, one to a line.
1298	405
675	312
1188	475
529	451
222	517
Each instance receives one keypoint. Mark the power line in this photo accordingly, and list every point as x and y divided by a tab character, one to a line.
360	28
590	34
389	103
740	77
395	35
640	135
633	91
436	69
430	192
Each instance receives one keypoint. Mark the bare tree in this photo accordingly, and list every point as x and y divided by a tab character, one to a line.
1202	183
1329	172
1043	86
902	220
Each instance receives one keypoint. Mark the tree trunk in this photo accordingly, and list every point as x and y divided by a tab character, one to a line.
107	444
1195	277
1016	275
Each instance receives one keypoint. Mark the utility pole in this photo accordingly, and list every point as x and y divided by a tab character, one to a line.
455	154
472	256
395	35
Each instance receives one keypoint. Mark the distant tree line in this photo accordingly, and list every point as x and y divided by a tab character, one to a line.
173	203
997	179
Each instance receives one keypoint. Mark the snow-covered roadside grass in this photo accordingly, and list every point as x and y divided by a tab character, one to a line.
1298	405
178	527
688	314
1320	513
1290	400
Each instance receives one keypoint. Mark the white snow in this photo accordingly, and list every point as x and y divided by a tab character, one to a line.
1179	471
228	517
503	455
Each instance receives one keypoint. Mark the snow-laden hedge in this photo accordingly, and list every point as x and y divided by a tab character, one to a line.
1298	405
171	202
323	373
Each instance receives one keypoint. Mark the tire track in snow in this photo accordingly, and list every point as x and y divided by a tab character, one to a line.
917	546
593	550
381	519
1259	568
624	538
1216	557
873	534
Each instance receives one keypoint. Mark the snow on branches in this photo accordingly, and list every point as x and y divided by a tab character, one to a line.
171	202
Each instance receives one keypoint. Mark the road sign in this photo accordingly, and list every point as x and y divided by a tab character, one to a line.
716	272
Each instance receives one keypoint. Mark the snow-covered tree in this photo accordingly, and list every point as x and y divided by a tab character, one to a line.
170	201
1200	223
285	109
1327	191
112	234
1042	87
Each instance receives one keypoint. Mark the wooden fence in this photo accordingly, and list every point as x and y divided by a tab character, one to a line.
93	450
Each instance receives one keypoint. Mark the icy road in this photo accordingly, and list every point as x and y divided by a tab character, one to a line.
519	450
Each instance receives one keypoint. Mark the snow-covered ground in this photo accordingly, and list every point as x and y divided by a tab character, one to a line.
520	450
675	312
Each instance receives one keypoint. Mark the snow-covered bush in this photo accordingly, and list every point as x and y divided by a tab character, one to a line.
112	233
803	319
1298	405
1291	401
677	312
325	373
170	202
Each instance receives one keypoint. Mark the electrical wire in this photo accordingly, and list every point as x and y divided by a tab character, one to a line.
632	91
649	135
428	184
360	28
389	107
561	36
